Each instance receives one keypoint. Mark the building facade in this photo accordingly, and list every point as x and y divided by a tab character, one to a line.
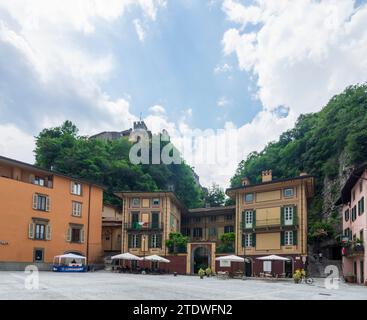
353	207
208	224
44	214
271	218
111	229
148	219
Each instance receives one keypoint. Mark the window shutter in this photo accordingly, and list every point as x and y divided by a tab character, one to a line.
35	198
82	236
159	241
295	237
254	239
68	235
282	216
130	239
254	218
48	204
362	204
295	218
31	229
243	220
243	240
48	232
138	241
282	238
150	241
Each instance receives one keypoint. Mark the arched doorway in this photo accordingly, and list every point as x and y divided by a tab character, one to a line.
248	267
201	258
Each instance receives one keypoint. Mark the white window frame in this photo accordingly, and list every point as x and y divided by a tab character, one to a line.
285	192
288	215
154	241
156	204
77	209
134	241
76	188
288	238
248	240
249	218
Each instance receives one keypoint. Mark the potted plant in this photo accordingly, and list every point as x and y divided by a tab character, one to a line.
350	277
208	272
299	275
201	273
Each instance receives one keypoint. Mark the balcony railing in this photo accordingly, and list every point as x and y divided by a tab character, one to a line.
354	250
267	223
146	226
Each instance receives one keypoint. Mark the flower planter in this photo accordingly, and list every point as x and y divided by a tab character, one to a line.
350	279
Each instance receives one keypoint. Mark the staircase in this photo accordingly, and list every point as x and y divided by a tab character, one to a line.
316	268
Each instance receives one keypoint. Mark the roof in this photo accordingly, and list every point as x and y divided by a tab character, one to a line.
250	186
45	171
213	210
356	174
153	193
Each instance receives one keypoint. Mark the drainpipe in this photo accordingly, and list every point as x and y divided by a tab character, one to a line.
89	200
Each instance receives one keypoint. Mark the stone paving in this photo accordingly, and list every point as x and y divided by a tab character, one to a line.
107	285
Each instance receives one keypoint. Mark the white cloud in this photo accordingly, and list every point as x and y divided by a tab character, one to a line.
222	102
139	30
222	68
157	109
302	52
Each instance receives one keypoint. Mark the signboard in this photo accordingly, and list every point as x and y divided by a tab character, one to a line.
267	266
224	263
4	243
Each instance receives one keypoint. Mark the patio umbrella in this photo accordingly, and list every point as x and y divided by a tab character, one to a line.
272	258
157	259
231	258
126	256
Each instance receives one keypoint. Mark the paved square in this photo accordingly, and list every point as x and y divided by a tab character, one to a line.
107	285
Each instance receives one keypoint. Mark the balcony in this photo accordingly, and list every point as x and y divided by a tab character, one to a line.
135	226
353	250
268	224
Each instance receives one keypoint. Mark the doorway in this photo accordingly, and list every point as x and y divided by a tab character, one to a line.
361	266
248	268
288	268
201	258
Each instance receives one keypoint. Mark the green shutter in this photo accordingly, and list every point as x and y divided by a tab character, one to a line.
243	240
282	216
243	220
362	204
155	220
295	237
130	239
138	241
254	239
254	218
159	240
282	238
295	217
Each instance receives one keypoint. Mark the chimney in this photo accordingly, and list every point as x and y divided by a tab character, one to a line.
245	181
267	176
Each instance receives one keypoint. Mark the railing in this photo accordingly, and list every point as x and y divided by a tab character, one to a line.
266	223
145	226
354	250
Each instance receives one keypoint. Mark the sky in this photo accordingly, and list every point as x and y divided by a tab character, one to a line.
242	69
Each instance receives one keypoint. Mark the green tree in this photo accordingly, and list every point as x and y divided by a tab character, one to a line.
176	243
227	241
215	196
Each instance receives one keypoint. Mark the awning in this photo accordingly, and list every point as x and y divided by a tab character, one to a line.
156	258
231	258
273	257
70	256
126	256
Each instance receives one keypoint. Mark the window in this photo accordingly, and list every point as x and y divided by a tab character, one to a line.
136	202
40	232
156	202
213	218
228	229
212	231
346	215
76	188
77	209
248	240
39	181
41	202
249	218
354	213
186	232
198	232
249	197
288	238
135	241
229	217
361	206
155	241
197	219
353	195
38	255
75	235
155	220
288	192
288	216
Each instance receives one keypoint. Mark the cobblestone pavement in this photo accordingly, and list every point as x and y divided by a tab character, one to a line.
107	285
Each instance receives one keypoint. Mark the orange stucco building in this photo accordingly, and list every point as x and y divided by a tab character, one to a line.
44	214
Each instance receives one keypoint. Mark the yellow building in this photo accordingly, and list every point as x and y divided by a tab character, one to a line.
111	229
271	218
148	219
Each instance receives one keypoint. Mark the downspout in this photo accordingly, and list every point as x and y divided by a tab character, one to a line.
89	200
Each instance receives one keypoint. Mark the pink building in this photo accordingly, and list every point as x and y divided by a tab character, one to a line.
353	201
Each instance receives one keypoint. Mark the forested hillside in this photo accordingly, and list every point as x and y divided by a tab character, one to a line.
324	144
107	163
